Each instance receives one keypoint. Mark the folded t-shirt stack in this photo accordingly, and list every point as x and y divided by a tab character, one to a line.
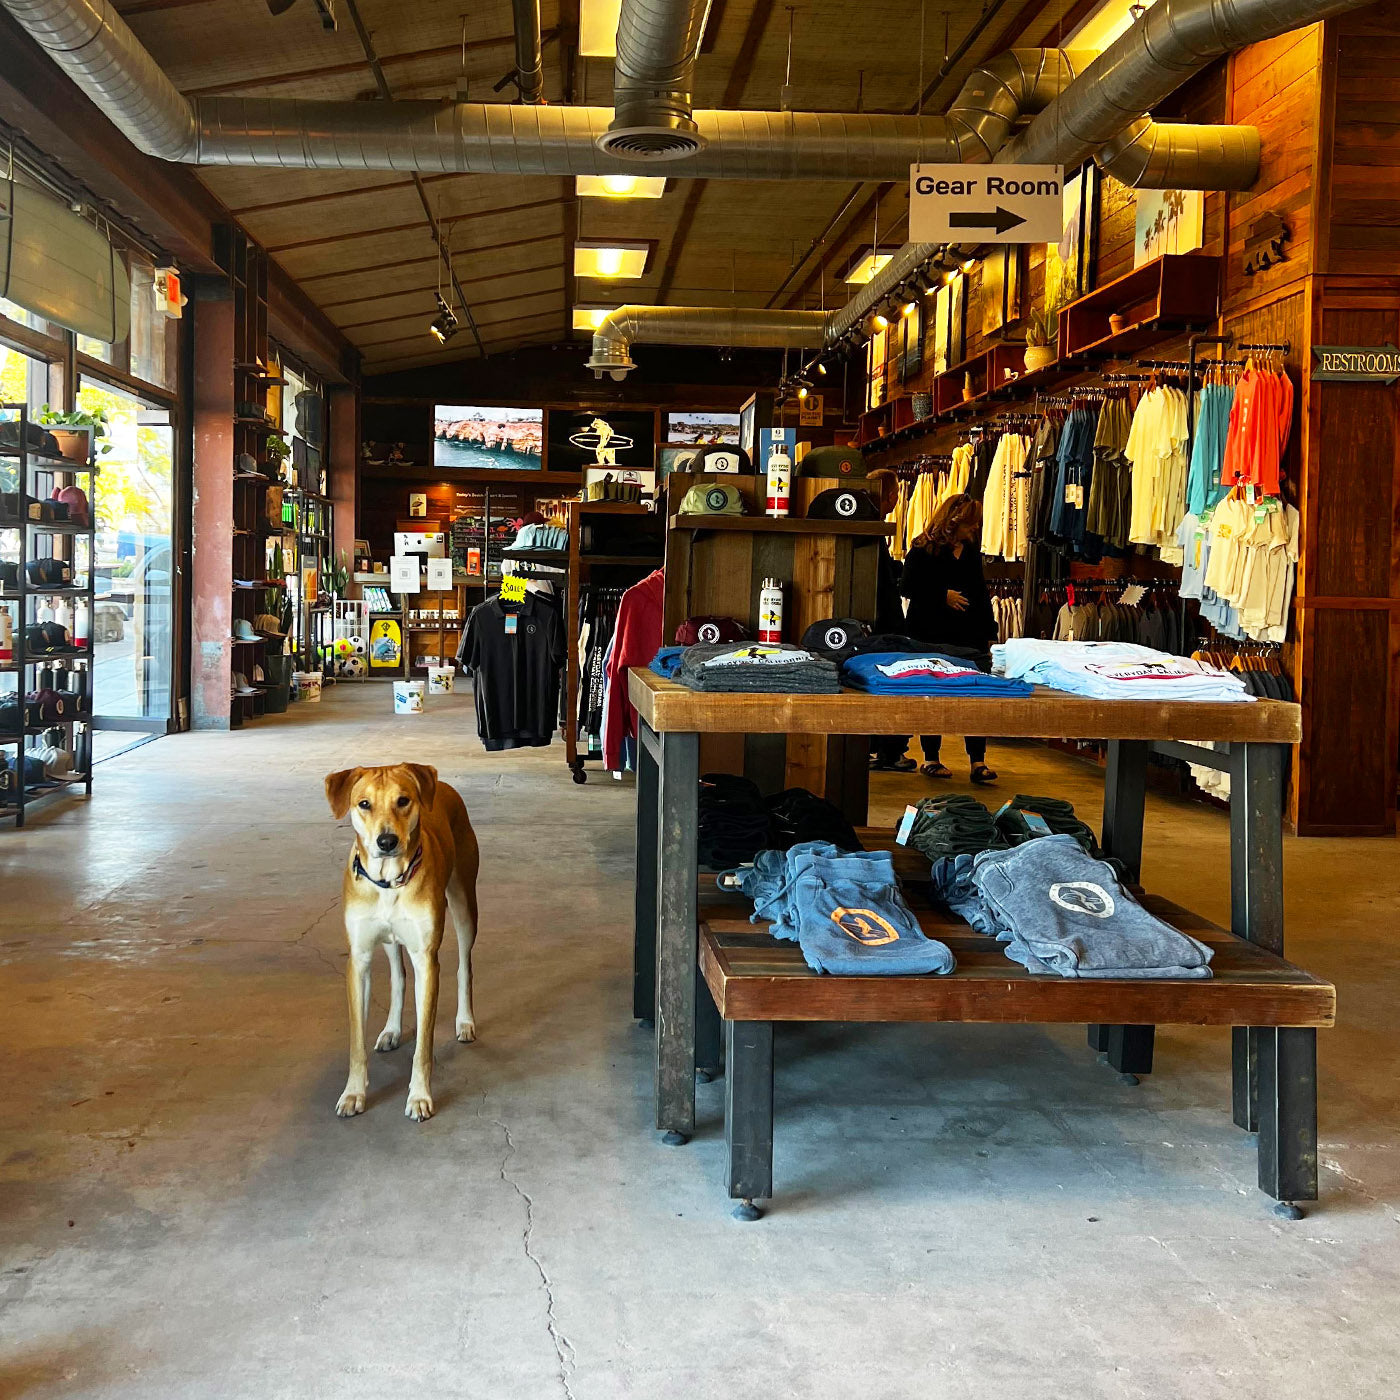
923	673
1115	671
762	667
541	536
1061	912
667	661
844	910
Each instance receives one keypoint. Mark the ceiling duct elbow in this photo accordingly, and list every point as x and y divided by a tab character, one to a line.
658	42
1150	155
718	326
91	42
999	92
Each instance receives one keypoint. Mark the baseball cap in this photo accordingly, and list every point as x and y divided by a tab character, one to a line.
75	498
832	461
843	503
246	465
243	631
834	637
721	459
269	625
712	498
46	637
695	631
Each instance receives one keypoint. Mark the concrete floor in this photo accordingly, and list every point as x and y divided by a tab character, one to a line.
961	1211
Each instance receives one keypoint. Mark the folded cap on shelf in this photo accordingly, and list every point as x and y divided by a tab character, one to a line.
41	637
832	461
713	498
243	631
246	465
834	637
52	573
697	631
843	503
34	438
715	458
268	625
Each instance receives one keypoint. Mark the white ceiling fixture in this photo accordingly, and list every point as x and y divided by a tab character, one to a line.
611	260
868	262
619	186
597	28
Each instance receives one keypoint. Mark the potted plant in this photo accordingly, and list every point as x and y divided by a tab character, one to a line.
1042	333
340	575
277	452
76	431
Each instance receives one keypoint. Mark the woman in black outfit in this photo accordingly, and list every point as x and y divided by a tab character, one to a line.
949	603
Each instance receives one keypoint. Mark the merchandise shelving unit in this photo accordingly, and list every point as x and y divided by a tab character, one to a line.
37	476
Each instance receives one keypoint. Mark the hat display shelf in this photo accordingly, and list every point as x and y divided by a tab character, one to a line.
62	674
715	567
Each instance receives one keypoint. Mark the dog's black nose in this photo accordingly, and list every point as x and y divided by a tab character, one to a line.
386	840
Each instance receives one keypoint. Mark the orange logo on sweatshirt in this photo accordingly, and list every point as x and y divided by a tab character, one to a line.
865	926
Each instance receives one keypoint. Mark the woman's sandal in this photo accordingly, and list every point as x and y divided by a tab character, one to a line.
982	774
936	770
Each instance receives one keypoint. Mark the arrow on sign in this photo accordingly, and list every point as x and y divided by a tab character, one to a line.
1002	220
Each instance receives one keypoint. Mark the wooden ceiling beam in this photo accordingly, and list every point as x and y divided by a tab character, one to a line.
451	221
476	306
407	262
428	286
485	329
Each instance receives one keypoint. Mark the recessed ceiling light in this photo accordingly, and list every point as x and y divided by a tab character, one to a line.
589	318
611	260
866	266
620	186
597	28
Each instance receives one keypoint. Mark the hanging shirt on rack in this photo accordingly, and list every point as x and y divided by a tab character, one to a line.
1110	491
1005	501
1156	447
1213	408
637	639
513	652
1260	420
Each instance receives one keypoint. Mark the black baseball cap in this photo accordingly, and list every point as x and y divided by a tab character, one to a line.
843	503
835	637
720	459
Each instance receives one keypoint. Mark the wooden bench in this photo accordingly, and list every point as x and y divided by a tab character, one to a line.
755	980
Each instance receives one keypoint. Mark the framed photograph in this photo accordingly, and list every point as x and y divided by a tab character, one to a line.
1168	221
507	438
1001	288
703	429
957	317
942	310
911	361
1069	264
603	437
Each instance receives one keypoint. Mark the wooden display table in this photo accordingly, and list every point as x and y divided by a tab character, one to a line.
1275	1066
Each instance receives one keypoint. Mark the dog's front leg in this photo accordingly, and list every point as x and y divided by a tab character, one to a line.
352	1101
425	992
392	1033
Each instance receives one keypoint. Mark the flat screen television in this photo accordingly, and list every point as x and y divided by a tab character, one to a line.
469	436
601	437
703	428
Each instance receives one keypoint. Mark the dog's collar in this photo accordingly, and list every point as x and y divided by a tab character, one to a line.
363	874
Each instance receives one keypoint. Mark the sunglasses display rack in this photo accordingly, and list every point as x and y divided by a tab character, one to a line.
49	703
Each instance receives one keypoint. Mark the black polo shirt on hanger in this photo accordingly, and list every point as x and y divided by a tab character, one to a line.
513	652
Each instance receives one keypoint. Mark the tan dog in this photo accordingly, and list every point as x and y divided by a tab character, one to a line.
414	857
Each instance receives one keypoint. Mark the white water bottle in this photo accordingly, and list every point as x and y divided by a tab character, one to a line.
779	478
770	611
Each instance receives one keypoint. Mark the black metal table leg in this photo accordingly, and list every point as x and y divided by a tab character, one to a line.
748	1114
1287	1115
644	926
676	934
708	1032
1256	892
1129	1048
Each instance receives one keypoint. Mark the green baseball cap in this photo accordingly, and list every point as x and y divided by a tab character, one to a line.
713	498
842	462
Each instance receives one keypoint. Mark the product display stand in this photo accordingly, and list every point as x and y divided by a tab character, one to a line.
37	476
1274	1057
600	563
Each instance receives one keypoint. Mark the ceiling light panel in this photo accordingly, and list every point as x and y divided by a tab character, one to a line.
619	186
611	260
597	28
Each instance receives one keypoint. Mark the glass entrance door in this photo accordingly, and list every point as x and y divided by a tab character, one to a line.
134	626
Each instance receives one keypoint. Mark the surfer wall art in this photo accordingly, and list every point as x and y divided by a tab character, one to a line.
601	438
476	437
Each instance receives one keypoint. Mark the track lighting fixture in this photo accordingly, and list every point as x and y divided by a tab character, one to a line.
444	326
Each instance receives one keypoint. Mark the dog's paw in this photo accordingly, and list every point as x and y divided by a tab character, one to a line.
466	1031
419	1107
388	1040
350	1103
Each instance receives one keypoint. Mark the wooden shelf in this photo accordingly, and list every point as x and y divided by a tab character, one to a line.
782	525
1171	293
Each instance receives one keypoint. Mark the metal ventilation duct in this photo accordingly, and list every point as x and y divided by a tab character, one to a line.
658	42
529	51
687	325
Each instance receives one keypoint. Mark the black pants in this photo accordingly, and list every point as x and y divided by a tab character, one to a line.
930	743
888	748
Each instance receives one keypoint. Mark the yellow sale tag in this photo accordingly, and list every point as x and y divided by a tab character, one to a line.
513	588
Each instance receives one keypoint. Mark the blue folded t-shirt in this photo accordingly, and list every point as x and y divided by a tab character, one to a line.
923	673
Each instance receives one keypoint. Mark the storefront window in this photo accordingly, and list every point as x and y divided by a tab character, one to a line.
149	353
132	505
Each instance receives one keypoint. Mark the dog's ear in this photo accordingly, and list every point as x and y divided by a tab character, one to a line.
426	778
338	786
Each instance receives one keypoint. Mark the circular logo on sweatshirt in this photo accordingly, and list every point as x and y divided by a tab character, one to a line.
1082	897
708	632
865	926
